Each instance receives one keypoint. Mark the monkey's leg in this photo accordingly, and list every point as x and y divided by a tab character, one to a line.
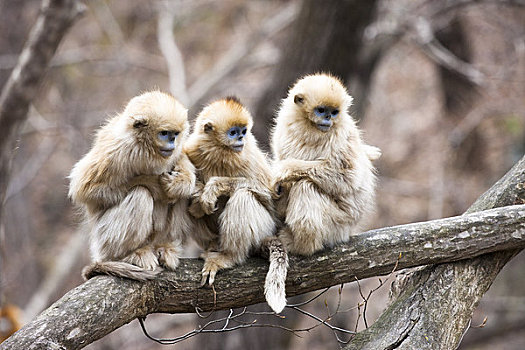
321	173
306	219
169	241
124	228
243	224
151	182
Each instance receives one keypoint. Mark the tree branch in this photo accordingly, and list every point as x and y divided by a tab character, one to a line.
436	303
170	51
104	303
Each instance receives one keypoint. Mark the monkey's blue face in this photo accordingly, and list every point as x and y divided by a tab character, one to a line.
236	136
324	117
166	141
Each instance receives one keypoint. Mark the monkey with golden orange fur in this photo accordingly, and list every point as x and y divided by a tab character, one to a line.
233	206
134	186
322	166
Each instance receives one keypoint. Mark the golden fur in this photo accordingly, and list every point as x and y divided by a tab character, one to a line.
233	206
325	175
135	196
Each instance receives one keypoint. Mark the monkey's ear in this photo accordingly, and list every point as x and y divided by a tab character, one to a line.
139	121
208	126
298	99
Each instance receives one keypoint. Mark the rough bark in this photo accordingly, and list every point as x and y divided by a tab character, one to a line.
434	308
104	303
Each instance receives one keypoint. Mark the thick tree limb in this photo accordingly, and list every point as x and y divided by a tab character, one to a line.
434	309
104	303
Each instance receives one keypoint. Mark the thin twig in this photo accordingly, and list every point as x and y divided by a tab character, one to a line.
230	60
311	299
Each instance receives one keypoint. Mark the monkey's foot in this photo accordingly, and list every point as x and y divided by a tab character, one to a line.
143	257
213	263
168	256
300	242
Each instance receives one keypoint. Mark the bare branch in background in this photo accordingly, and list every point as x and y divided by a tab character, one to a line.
230	60
107	22
56	16
61	269
171	52
424	36
32	166
127	55
36	161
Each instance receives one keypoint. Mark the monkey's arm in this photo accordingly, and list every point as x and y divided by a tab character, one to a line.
180	182
152	183
320	172
292	169
97	195
219	186
169	186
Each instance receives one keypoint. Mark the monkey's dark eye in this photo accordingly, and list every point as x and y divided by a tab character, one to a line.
164	133
235	132
244	130
320	111
176	133
335	112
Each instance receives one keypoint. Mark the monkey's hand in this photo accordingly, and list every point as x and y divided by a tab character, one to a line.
218	186
174	185
214	261
208	198
179	183
195	208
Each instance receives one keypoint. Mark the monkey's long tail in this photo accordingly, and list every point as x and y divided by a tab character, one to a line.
274	285
119	269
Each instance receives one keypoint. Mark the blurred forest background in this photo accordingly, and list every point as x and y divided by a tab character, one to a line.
439	87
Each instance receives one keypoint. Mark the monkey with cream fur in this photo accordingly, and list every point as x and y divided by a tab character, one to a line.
134	186
233	205
321	166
